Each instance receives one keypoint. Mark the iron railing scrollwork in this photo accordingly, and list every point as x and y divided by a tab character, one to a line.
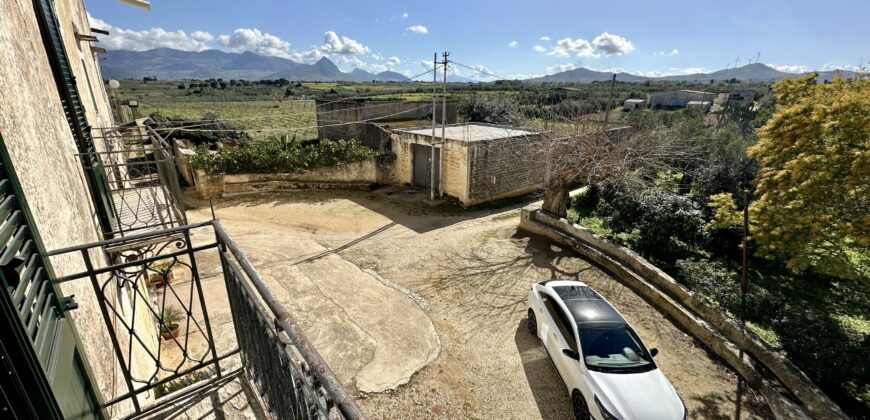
149	290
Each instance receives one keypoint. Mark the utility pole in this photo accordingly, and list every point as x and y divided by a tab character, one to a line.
744	286
432	142
609	101
443	125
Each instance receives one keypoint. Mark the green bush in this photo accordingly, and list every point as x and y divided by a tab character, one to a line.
719	285
664	225
276	155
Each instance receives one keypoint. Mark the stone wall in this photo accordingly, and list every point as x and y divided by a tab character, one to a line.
362	175
705	323
352	119
503	168
454	155
43	153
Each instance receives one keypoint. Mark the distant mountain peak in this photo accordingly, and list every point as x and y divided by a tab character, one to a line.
171	64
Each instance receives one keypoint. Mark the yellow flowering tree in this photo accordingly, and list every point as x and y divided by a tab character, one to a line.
812	194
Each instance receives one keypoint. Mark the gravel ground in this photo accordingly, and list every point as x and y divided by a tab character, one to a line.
471	271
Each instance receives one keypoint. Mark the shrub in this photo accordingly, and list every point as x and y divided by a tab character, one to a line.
491	109
276	155
719	284
665	225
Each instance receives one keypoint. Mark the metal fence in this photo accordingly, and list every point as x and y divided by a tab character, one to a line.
141	179
153	302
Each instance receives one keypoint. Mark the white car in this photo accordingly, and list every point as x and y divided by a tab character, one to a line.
608	371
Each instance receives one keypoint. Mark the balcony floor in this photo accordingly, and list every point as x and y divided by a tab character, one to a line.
228	398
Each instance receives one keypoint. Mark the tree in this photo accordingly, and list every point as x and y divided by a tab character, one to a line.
813	187
623	158
491	109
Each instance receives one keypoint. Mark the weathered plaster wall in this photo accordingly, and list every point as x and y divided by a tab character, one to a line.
503	168
454	155
42	151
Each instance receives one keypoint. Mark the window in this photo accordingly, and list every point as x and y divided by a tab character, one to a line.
613	347
563	323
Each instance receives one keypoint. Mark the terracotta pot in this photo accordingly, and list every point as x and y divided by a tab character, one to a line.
160	281
173	332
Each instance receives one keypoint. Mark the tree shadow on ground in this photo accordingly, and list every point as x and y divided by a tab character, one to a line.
547	387
491	284
404	205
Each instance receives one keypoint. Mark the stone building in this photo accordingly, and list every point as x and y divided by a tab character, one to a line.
476	162
678	98
368	121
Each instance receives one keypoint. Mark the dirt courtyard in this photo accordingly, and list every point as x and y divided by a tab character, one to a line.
421	312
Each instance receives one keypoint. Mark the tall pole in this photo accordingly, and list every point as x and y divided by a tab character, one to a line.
432	142
744	286
609	101
443	125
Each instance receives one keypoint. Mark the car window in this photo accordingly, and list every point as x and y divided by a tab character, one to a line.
562	321
614	348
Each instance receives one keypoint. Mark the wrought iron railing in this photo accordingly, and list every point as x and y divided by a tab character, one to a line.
138	175
155	307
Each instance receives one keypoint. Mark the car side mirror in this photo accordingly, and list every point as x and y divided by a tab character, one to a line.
571	353
653	352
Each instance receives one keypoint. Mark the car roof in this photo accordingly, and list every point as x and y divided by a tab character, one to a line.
585	304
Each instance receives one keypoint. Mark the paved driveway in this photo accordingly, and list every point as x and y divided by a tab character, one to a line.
428	304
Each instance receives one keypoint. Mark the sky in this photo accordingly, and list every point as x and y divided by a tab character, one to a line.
509	38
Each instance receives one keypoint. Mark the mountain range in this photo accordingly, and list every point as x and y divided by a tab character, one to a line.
755	72
170	64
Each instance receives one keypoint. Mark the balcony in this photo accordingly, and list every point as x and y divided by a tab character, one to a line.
188	316
136	177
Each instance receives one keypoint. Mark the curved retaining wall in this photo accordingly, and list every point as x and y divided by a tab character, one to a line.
719	334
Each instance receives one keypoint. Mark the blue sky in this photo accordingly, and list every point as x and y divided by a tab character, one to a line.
508	38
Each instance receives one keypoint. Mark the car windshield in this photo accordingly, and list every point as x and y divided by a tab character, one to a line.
613	348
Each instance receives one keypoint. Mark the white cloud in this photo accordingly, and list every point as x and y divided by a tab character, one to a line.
201	36
673	71
832	66
558	68
356	61
377	57
256	41
544	38
418	29
610	44
513	44
605	44
565	46
405	15
392	61
673	52
790	68
127	39
335	44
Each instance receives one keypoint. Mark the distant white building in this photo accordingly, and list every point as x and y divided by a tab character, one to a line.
704	105
632	104
678	98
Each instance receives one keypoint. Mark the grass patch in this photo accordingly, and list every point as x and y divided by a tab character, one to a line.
506	216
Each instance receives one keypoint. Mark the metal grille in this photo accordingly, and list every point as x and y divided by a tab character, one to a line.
141	180
292	378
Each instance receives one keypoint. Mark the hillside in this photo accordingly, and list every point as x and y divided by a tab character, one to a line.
170	64
755	72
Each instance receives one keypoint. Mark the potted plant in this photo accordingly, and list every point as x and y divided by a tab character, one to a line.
170	326
163	274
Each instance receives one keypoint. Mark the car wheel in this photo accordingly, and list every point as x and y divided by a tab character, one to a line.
581	410
533	323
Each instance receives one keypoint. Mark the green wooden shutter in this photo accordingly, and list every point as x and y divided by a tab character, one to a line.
44	373
75	113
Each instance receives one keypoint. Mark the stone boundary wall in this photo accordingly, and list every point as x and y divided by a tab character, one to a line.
362	175
717	333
